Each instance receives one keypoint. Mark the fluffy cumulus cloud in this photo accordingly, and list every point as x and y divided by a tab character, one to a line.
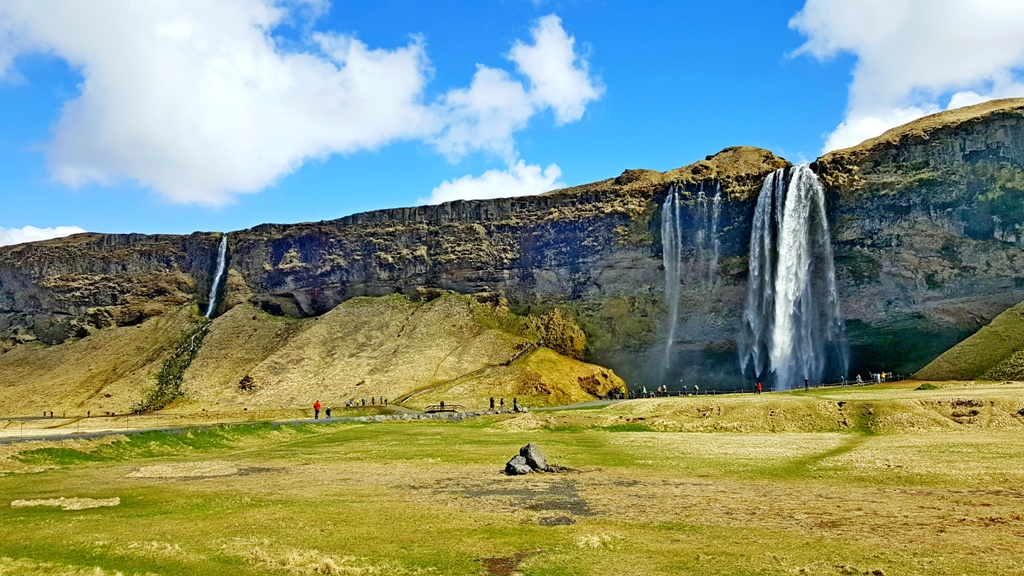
10	236
199	101
495	106
520	179
915	57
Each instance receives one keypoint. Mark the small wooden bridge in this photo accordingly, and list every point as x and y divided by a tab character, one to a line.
434	408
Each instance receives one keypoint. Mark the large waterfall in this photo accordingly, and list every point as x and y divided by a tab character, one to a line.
791	322
672	251
218	277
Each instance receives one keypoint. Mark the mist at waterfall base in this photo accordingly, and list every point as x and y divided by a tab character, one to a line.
792	328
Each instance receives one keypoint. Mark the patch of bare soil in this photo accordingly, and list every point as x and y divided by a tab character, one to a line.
68	503
505	566
187	470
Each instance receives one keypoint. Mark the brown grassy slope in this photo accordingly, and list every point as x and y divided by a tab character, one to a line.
370	347
896	410
923	126
109	370
988	350
542	377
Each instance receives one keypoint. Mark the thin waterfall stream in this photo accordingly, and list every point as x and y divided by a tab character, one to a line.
706	245
218	276
672	244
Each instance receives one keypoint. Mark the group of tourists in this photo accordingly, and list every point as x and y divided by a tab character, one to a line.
501	404
352	403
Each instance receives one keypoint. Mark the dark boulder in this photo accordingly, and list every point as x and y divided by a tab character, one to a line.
516	466
534	457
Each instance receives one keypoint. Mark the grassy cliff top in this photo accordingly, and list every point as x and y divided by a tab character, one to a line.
923	127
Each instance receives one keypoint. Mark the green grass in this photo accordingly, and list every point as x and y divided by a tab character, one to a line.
427	497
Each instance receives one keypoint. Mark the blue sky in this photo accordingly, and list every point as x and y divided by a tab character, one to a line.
171	117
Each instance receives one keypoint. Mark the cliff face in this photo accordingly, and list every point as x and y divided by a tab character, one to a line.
927	223
927	230
593	250
57	289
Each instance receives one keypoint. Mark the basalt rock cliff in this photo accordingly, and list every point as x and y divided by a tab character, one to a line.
927	224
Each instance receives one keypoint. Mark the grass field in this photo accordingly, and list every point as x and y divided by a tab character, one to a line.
652	492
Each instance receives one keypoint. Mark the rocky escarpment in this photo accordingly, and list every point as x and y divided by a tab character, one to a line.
67	287
927	229
594	251
927	224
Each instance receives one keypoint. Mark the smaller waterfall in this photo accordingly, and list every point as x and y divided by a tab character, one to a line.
671	244
218	276
716	243
706	238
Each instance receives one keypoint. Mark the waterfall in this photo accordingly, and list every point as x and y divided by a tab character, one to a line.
716	244
671	244
792	327
218	276
706	238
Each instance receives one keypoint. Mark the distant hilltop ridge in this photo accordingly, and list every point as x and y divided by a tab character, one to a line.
925	219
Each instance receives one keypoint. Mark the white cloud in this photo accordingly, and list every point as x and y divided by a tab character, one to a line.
495	106
520	179
9	236
485	115
913	56
559	77
198	101
857	127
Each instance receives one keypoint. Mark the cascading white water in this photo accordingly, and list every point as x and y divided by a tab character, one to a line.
716	243
791	321
218	275
671	244
707	241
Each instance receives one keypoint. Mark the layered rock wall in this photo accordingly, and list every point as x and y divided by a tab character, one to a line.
927	223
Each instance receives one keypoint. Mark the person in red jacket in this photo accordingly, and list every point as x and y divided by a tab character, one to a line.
758	387
316	410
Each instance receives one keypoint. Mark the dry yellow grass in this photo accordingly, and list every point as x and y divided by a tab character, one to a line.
364	348
373	347
110	370
410	498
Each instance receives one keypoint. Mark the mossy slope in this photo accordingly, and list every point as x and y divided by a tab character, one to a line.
994	352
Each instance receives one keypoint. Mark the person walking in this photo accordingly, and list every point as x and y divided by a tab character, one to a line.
492	404
503	404
328	412
696	390
758	387
316	410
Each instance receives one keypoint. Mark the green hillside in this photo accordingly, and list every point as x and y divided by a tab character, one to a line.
996	352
